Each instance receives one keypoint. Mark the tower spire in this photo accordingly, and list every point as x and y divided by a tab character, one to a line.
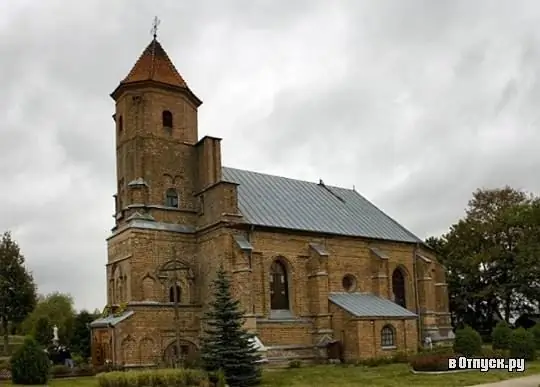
155	25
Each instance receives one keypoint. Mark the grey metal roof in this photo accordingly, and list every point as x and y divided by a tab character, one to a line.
368	305
275	201
110	320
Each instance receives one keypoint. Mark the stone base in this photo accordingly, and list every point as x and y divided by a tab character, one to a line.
282	355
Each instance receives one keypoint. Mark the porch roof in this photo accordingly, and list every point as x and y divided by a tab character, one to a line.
369	305
111	320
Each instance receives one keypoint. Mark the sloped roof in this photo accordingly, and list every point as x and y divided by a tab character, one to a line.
275	201
111	320
368	305
154	64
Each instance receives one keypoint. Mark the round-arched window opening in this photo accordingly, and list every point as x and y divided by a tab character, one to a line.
349	283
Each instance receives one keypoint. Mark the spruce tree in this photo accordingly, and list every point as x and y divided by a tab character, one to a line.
226	346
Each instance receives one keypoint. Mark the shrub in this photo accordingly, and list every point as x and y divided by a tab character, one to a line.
500	337
495	353
522	344
401	357
78	359
430	362
60	370
375	361
536	333
155	378
217	379
467	342
30	364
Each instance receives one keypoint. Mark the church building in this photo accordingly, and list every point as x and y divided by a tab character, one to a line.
310	263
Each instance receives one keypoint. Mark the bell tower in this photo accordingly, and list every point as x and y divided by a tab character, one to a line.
156	130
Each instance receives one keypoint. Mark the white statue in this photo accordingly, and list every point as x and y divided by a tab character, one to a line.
429	342
55	334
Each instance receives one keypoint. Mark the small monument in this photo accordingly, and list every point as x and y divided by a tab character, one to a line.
428	342
55	339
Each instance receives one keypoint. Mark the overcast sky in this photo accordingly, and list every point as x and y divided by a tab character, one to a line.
416	103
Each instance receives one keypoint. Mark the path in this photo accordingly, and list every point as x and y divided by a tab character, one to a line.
528	381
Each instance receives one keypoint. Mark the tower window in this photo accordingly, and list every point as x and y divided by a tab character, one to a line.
120	124
167	119
174	293
171	198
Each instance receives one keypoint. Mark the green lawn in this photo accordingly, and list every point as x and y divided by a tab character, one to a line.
349	376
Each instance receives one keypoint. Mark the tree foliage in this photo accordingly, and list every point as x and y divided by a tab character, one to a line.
17	288
226	346
30	364
467	342
42	332
491	257
501	336
522	344
58	309
80	341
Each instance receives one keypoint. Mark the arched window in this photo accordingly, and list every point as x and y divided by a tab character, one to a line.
171	198
167	119
398	287
120	125
279	287
388	336
175	293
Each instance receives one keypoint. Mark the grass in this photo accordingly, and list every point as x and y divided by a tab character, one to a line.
349	376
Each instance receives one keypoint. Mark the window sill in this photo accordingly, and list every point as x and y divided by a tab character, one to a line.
389	348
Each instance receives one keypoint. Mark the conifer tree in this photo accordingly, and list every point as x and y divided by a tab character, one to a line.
226	346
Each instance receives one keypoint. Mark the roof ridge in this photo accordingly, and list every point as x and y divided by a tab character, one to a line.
289	178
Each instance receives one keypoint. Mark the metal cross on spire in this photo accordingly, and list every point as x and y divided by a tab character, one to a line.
155	26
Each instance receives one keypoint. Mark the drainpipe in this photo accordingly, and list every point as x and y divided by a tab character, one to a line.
419	324
249	238
113	346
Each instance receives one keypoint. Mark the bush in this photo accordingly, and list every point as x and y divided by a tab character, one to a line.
30	364
375	361
153	378
217	379
401	357
536	333
522	344
500	337
78	359
467	342
430	362
440	350
495	353
60	370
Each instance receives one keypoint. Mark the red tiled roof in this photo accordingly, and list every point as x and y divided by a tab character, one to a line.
154	64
